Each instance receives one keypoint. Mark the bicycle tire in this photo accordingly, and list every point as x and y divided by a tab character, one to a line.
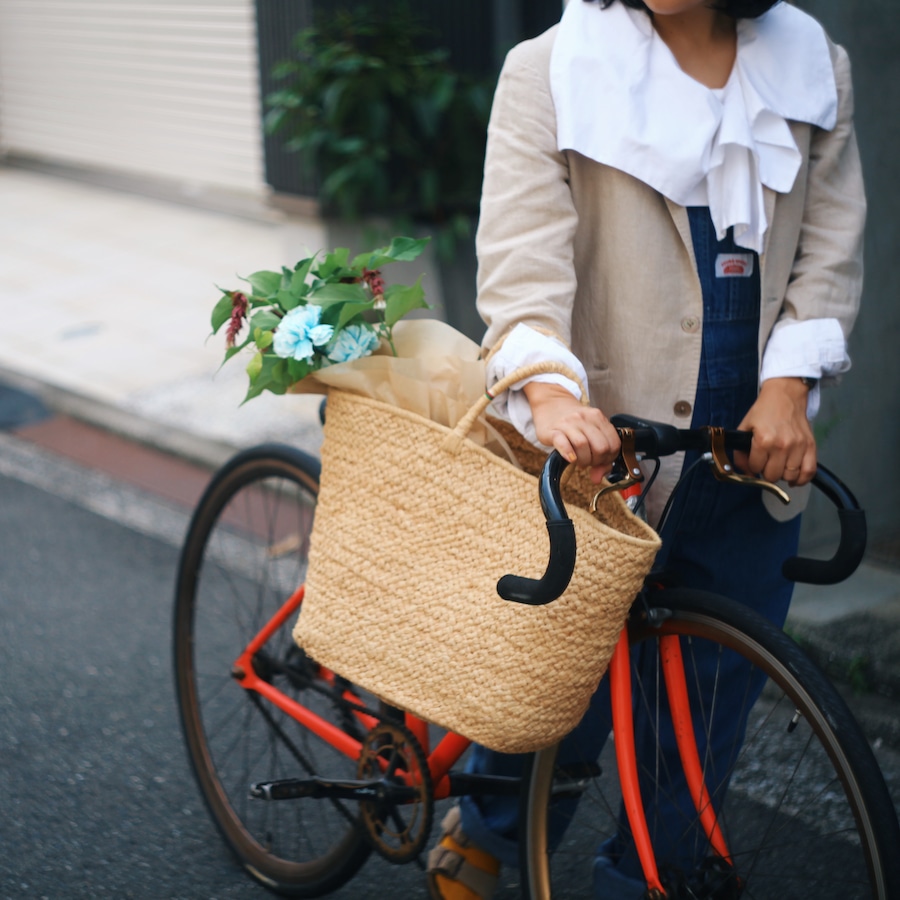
806	815
244	555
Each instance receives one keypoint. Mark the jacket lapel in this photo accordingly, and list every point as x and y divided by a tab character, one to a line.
683	225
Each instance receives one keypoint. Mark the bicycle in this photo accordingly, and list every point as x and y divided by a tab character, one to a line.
305	774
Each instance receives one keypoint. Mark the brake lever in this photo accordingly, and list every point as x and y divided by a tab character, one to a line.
626	468
723	470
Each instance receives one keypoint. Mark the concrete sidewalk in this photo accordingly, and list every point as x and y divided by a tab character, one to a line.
106	298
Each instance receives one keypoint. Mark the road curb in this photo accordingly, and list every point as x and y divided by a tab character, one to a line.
192	447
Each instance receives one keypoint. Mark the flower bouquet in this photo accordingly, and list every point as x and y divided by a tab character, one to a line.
327	310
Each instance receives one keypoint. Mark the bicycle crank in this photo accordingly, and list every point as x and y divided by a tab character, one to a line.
398	819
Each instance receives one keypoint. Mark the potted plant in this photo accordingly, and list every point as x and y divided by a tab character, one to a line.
390	128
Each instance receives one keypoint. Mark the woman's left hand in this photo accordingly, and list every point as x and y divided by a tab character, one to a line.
783	445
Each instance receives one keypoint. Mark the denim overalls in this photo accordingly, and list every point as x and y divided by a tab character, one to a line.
717	538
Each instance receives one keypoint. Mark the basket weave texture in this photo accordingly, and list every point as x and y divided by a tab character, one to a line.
414	527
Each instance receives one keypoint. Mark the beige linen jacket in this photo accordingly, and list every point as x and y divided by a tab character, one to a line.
597	257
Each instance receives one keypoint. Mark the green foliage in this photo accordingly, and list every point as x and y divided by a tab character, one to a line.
335	310
389	127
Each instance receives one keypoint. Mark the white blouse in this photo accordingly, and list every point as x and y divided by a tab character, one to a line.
622	99
612	63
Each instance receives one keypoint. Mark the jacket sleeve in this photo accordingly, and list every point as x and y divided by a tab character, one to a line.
527	223
826	276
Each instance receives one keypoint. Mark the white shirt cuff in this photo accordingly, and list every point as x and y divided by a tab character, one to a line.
815	348
522	347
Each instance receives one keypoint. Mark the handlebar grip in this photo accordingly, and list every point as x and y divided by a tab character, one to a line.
851	544
540	591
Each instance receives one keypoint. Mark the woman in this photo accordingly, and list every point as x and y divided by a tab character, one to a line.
673	205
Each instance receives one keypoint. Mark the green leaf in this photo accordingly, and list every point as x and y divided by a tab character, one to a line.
299	287
333	261
254	367
286	300
264	284
371	259
271	375
253	391
279	370
337	293
401	299
222	311
297	369
403	249
263	339
231	351
264	320
350	311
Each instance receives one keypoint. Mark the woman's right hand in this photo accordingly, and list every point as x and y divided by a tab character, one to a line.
581	434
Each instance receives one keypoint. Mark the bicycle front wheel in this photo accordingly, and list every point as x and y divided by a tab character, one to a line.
798	794
245	554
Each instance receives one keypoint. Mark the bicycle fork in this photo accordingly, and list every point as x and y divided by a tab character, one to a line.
626	759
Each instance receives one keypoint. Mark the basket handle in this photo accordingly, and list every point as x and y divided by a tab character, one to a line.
454	441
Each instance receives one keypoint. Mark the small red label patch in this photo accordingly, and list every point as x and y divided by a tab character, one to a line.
734	265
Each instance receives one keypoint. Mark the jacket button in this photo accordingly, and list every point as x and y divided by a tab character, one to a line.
690	324
682	408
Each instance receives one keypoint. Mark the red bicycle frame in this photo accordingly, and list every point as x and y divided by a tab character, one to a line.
452	746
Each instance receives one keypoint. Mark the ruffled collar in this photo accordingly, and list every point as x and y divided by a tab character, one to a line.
621	99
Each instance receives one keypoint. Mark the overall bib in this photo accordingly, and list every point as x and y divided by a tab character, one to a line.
718	537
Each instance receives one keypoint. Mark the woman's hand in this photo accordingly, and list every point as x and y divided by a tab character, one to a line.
582	434
783	445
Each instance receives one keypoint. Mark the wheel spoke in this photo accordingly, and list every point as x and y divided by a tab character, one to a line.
779	792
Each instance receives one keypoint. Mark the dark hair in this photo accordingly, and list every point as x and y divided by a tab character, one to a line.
738	9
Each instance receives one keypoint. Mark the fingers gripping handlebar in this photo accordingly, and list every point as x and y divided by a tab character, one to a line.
654	440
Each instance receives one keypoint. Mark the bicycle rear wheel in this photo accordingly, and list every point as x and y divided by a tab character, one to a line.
244	555
806	813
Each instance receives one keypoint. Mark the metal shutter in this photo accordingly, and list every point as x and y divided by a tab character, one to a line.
158	88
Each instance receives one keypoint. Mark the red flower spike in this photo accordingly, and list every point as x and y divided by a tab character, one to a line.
239	305
372	277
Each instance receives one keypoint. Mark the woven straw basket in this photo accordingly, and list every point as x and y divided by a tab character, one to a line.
414	526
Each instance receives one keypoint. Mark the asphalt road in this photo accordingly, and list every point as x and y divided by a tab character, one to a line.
96	797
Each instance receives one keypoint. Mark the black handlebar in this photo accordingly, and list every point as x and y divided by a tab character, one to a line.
562	544
654	440
852	542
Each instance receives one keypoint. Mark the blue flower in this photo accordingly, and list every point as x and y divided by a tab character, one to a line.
299	334
353	342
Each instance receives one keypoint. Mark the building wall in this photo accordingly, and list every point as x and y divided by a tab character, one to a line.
860	420
148	87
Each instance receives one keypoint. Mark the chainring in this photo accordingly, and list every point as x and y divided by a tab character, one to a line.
398	821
